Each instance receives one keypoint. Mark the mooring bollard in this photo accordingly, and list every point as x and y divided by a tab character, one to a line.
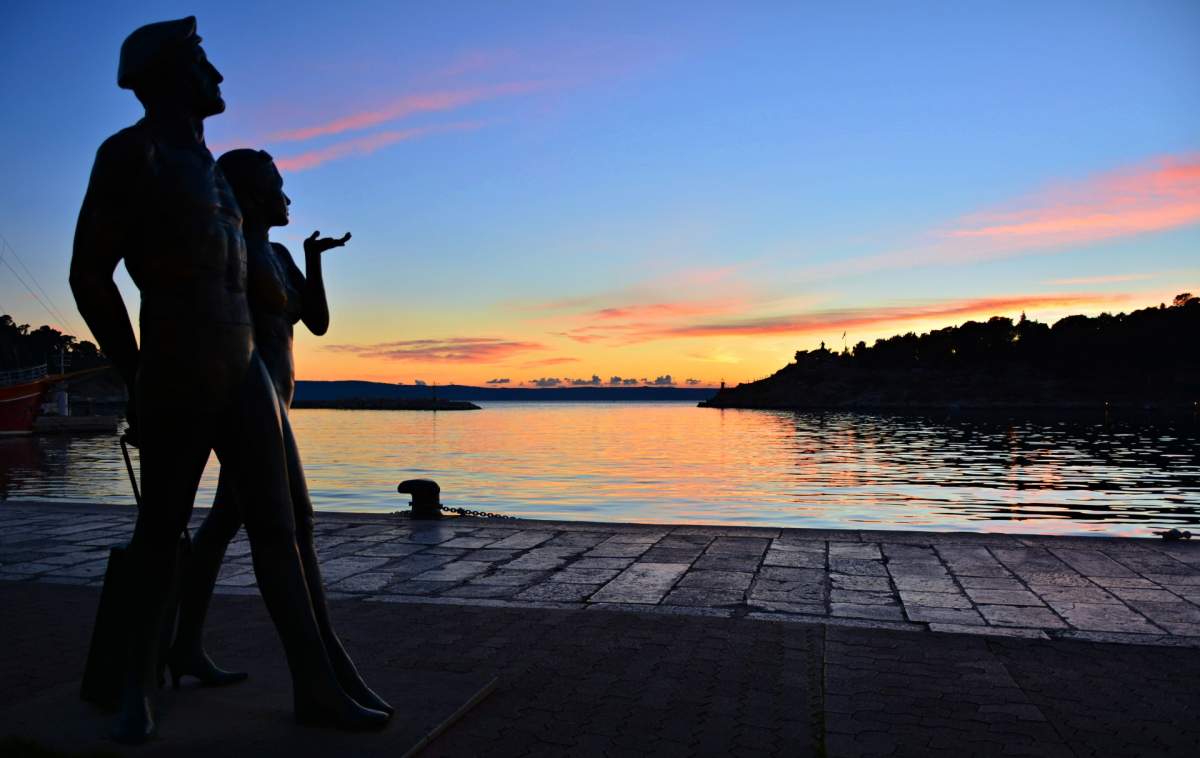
426	503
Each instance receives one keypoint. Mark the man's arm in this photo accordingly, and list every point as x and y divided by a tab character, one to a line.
101	235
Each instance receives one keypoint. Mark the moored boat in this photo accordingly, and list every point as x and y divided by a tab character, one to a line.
21	395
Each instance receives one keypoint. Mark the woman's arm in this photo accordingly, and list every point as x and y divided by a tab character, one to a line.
315	313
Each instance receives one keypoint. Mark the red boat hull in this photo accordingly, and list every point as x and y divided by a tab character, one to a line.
20	404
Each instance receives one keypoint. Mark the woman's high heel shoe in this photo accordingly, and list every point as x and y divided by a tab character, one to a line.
200	666
346	715
352	682
365	696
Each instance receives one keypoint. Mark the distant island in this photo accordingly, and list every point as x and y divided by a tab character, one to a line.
1144	359
388	404
319	392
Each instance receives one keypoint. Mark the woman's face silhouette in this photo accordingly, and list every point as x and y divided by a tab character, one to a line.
267	204
275	202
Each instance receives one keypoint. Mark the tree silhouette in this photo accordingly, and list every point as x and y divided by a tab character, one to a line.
20	346
1147	356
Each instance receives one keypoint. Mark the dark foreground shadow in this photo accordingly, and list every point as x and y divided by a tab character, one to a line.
253	718
607	682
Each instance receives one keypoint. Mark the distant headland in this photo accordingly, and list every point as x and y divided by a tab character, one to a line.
388	404
1144	359
309	393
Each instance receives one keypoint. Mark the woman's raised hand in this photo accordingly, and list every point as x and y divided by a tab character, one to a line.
315	245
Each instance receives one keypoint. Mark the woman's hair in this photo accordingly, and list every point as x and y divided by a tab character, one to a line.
243	169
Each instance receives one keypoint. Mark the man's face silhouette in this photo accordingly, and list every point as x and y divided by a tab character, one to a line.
203	81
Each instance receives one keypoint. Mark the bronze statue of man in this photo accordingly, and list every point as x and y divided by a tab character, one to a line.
157	200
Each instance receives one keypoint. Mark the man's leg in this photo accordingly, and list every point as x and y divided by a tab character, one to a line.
172	463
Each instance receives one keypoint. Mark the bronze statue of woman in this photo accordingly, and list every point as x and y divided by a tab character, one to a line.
280	296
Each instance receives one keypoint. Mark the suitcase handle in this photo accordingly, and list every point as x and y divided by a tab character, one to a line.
137	494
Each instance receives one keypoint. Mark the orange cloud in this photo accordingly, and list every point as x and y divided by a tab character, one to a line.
846	318
450	349
366	145
550	362
408	105
589	334
1161	194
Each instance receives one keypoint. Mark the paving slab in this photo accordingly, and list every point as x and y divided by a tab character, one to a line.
861	598
868	550
724	580
522	540
989	596
861	583
567	593
670	555
704	596
584	575
1011	615
794	558
368	581
1104	617
855	610
455	571
725	562
940	615
641	583
511	577
858	566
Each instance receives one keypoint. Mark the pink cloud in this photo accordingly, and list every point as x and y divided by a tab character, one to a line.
1160	194
616	322
450	349
665	310
365	145
589	334
408	105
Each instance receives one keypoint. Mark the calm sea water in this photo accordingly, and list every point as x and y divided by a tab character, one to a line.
675	463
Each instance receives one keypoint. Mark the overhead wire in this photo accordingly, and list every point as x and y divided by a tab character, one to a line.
56	312
48	303
29	289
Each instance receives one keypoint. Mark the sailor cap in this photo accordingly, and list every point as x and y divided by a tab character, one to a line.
148	45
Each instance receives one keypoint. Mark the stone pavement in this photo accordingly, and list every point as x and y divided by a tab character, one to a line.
579	683
1140	591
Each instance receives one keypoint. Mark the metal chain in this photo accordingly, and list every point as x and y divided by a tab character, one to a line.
464	512
476	514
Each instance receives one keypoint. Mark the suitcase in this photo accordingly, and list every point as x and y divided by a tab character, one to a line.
104	673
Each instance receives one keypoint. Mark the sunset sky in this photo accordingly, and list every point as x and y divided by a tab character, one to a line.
544	191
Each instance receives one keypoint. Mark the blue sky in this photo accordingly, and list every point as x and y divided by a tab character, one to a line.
562	189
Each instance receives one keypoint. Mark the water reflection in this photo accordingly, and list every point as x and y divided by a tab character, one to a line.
676	463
